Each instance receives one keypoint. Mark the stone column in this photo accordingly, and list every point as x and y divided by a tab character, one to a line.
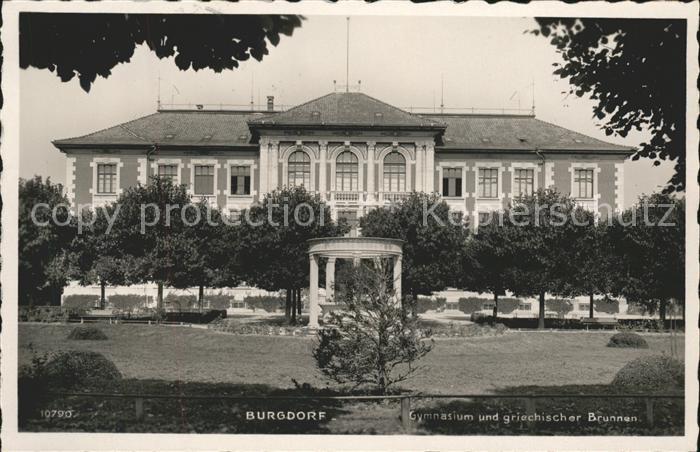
397	278
429	164
273	164
313	291
420	167
330	279
322	154
264	166
370	171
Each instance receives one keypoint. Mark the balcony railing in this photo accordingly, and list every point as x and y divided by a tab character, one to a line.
347	196
394	196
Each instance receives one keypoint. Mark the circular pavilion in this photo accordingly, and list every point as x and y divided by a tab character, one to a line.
355	248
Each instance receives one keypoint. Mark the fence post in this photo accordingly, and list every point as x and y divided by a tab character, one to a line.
138	406
405	413
530	410
650	411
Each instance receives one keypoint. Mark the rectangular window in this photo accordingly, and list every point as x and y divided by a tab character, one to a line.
584	306
452	182
524	182
525	307
488	183
107	178
488	306
486	218
204	179
240	180
168	172
583	183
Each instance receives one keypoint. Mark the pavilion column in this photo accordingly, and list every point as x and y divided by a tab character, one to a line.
429	165
370	171
313	291
330	279
397	278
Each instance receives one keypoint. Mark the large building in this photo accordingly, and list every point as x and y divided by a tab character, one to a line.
355	151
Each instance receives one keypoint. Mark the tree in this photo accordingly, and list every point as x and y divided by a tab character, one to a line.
650	241
373	341
211	244
96	255
635	70
86	46
487	262
434	239
273	250
46	229
592	261
150	230
539	229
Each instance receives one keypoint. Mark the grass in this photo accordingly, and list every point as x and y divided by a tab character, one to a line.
182	360
460	365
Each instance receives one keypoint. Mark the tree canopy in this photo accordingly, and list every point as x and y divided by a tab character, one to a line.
45	235
434	238
88	45
635	70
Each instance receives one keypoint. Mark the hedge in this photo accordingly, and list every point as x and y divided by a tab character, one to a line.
607	307
473	304
560	306
651	372
129	302
87	333
424	304
219	301
181	302
81	301
265	302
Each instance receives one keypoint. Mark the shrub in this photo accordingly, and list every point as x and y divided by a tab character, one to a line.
81	301
87	333
71	368
349	351
265	302
129	302
628	340
651	372
180	302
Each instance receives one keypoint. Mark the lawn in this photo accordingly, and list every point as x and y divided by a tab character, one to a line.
195	361
460	365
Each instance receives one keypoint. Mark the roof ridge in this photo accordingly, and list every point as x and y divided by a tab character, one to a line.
396	108
582	134
296	107
121	125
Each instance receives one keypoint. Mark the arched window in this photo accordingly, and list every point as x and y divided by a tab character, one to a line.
394	172
346	170
299	170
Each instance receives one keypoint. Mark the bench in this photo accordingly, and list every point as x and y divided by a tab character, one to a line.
599	322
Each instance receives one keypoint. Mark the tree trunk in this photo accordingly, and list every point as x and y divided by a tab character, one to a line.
299	303
159	303
540	323
495	306
294	306
201	297
590	307
288	306
102	294
662	311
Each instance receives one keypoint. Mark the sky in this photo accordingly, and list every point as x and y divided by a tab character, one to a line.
404	61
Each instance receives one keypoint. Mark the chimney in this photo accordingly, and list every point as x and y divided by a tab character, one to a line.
270	103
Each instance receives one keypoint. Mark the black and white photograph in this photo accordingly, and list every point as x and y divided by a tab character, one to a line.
415	224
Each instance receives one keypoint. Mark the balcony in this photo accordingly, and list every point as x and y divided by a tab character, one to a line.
394	196
347	196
